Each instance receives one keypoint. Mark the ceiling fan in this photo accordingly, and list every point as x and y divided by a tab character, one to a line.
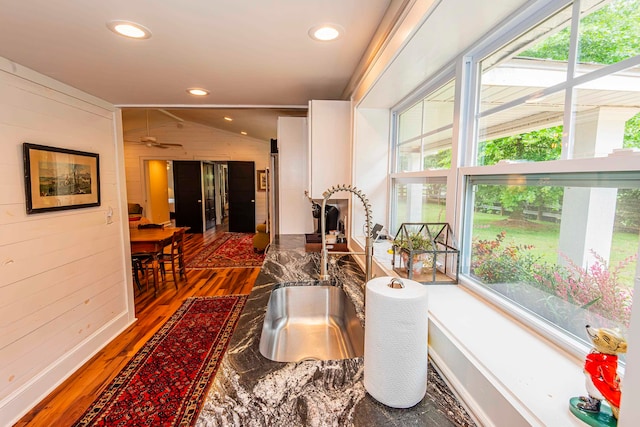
152	141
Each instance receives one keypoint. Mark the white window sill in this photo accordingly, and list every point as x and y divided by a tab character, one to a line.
506	373
534	376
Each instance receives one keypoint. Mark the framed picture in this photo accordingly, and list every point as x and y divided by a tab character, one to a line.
262	180
57	178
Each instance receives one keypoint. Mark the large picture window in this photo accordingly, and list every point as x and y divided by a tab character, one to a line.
563	246
560	245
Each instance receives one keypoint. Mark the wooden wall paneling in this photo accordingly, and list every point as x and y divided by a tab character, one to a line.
60	334
53	224
11	188
50	89
63	275
30	257
48	295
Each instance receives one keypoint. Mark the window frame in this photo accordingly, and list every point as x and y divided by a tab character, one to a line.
467	73
441	176
590	165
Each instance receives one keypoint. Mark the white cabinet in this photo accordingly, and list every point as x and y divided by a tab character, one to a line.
314	153
293	207
329	145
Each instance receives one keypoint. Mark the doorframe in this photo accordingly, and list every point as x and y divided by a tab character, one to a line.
216	197
144	179
220	188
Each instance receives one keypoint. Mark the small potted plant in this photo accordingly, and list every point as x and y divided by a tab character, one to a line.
417	245
427	250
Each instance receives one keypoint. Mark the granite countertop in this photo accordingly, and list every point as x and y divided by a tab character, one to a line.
251	390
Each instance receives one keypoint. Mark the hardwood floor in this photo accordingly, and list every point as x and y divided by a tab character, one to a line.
69	401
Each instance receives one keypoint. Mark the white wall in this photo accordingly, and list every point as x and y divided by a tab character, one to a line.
294	207
65	286
371	160
370	173
199	143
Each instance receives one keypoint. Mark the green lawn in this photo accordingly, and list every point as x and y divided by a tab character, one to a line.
544	237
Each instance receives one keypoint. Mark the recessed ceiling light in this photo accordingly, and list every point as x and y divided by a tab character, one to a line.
243	132
196	91
227	118
129	29
325	32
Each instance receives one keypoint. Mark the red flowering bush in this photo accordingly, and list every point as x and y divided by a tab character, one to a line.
494	263
596	288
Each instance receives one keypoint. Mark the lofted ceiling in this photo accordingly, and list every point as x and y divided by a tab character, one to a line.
258	123
253	56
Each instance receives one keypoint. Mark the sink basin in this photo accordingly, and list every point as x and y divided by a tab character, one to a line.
311	323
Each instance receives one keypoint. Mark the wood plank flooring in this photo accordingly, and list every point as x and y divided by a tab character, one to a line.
69	401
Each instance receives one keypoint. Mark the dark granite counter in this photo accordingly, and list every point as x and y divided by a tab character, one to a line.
251	390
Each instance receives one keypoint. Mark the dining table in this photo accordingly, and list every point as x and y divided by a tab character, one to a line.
152	241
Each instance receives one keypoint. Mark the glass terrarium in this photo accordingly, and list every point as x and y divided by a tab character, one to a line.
426	252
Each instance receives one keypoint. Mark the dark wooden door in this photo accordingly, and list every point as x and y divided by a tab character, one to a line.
242	197
187	187
209	195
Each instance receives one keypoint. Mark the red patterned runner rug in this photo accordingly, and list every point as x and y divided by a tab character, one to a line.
166	381
228	250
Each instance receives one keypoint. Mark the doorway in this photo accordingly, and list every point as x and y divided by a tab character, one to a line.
242	197
187	187
202	194
157	205
209	189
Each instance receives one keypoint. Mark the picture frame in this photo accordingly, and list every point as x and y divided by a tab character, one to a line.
262	180
58	178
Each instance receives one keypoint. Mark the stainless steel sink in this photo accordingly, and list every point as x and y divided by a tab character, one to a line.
311	323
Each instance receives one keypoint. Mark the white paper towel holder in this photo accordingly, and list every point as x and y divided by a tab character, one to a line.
395	283
395	364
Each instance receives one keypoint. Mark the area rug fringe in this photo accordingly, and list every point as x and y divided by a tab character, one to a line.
231	250
165	383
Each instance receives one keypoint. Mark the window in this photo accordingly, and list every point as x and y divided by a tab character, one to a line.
608	33
559	237
419	200
529	85
425	132
563	246
550	166
424	137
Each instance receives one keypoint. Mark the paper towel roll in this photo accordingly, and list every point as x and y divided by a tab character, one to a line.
395	342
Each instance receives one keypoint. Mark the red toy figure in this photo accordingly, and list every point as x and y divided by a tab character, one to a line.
601	371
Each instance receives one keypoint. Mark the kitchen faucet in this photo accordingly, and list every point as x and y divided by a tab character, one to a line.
368	253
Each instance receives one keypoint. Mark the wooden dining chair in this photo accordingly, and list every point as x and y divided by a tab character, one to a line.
142	264
176	257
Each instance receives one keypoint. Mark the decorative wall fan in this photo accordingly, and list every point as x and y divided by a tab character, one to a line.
152	141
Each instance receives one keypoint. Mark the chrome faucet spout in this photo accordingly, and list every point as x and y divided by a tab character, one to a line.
324	267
